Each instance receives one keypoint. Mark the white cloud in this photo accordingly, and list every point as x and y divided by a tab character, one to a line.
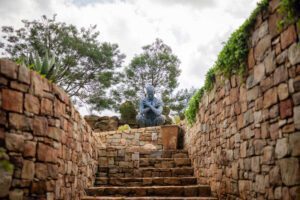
195	29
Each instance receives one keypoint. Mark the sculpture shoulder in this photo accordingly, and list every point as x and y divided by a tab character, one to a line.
158	102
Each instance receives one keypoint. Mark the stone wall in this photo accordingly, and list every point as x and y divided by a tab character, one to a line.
122	149
246	139
52	148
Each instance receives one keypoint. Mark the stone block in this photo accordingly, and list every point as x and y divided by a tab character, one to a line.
270	98
243	149
245	186
251	61
283	91
273	24
286	109
29	149
275	177
296	111
32	104
46	153
16	194
294	141
290	171
282	148
12	100
274	131
296	98
280	75
258	146
270	63
169	137
259	72
268	155
252	94
14	142
20	122
294	54
260	183
40	125
54	133
24	74
9	68
288	37
28	170
262	46
255	164
47	107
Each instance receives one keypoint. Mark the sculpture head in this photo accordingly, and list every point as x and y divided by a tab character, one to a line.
150	92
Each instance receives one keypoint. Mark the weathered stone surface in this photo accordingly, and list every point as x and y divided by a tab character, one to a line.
274	131
40	125
9	68
32	104
286	109
282	148
28	170
268	155
270	98
5	183
12	100
251	60
296	98
252	94
294	54
255	165
263	45
260	183
294	141
283	91
243	149
297	117
16	194
273	21
290	171
258	146
244	188
29	149
275	177
270	63
24	74
280	75
259	72
288	37
20	122
14	142
46	153
46	106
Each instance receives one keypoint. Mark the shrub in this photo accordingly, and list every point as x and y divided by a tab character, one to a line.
128	112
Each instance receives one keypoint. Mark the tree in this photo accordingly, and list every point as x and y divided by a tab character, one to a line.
156	65
88	67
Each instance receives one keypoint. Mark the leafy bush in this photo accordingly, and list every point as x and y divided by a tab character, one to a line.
128	112
290	9
231	60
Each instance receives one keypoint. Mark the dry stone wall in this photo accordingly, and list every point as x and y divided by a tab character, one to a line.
246	139
52	148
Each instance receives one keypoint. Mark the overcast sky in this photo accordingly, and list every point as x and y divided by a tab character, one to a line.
194	29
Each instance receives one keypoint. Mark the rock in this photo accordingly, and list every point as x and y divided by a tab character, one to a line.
275	177
255	166
286	109
296	98
40	126
273	24
32	104
20	122
5	182
288	37
243	149
14	142
46	107
283	91
290	171
281	58
16	194
278	193
294	141
280	75
296	84
46	153
41	171
294	54
262	46
260	183
282	148
274	131
252	94
259	72
270	98
29	149
251	61
245	187
258	146
9	68
7	104
295	192
104	123
268	155
269	62
297	117
28	170
24	74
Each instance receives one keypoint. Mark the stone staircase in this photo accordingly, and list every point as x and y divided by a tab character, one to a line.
160	174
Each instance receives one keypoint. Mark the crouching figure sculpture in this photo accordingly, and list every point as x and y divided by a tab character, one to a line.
150	110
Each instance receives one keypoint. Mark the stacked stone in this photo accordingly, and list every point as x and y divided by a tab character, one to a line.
246	141
51	147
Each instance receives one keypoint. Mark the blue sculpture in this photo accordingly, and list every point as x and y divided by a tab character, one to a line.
150	110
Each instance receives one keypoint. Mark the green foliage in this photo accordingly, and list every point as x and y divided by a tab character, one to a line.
4	163
83	66
193	106
231	60
156	65
128	112
125	127
176	120
290	10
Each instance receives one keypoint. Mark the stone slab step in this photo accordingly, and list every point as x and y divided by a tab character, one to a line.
164	162
170	191
147	198
146	181
164	154
145	172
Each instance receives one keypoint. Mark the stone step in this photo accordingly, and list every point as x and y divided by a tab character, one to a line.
146	181
146	198
164	162
145	172
164	154
170	191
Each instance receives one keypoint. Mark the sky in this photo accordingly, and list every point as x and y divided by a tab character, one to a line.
195	29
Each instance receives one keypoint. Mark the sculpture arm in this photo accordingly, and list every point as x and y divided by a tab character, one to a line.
158	110
142	108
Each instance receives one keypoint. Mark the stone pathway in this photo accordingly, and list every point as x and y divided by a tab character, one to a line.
160	175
